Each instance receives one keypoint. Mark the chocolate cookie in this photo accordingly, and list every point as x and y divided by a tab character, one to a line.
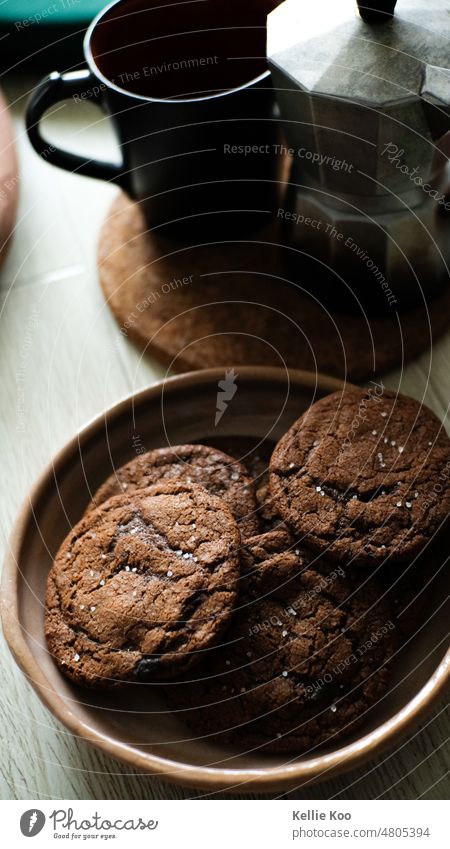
302	662
257	464
217	472
363	475
268	514
142	586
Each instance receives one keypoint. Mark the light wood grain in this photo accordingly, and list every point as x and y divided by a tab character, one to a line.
63	361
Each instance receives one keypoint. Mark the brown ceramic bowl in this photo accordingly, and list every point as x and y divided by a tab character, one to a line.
138	729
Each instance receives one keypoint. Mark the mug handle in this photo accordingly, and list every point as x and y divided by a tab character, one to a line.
51	90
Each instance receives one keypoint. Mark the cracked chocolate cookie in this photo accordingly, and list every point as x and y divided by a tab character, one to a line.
217	472
142	586
257	465
304	659
363	475
268	514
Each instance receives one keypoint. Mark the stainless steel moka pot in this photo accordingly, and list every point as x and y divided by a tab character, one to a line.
364	96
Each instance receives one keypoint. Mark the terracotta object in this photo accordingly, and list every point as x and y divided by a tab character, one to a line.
9	179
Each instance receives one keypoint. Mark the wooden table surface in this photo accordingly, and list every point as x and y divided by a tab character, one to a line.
62	361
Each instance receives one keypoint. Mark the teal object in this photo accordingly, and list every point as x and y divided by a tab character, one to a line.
44	35
49	12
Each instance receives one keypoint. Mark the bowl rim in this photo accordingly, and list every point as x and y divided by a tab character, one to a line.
260	779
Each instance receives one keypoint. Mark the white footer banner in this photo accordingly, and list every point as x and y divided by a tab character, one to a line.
208	824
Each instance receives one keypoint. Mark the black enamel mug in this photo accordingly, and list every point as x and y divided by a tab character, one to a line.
187	89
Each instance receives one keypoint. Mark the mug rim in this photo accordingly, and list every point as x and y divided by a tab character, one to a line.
90	59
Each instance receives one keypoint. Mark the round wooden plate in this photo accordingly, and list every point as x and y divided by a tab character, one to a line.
138	729
236	303
9	179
